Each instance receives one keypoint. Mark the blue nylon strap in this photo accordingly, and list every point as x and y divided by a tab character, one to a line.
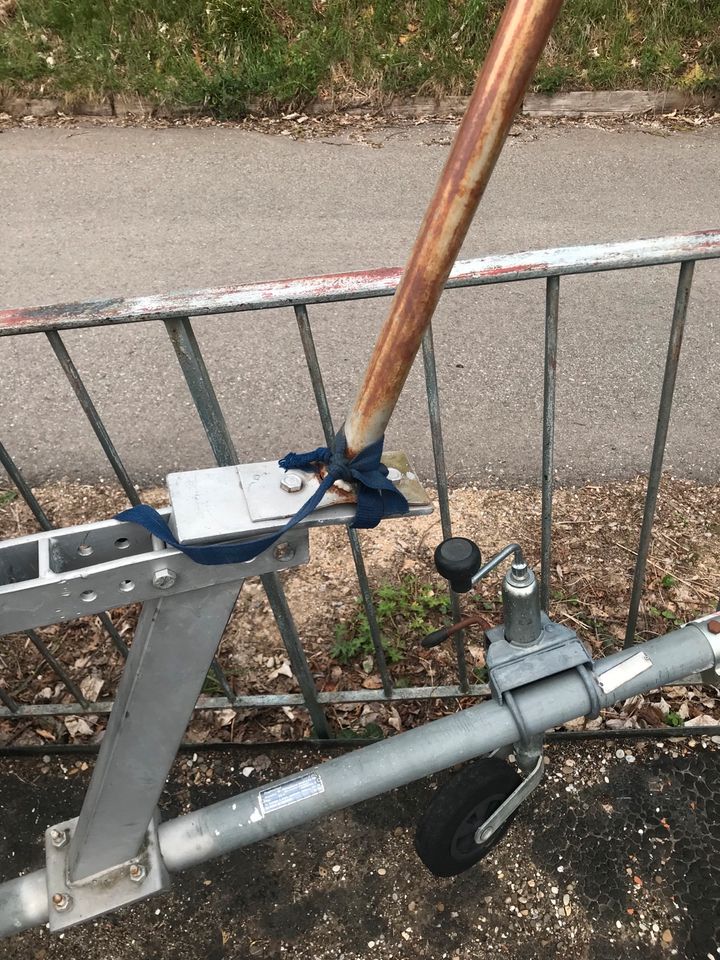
377	497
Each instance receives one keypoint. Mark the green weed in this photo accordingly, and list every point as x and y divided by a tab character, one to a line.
404	612
668	615
371	731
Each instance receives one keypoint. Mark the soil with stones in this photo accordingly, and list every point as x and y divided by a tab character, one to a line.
613	857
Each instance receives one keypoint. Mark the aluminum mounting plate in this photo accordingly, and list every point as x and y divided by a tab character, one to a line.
267	500
105	891
247	501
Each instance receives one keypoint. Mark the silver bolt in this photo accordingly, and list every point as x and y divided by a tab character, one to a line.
137	872
164	579
61	901
292	483
85	550
284	551
58	838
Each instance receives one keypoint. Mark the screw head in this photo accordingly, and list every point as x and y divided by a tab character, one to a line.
58	838
137	872
713	626
61	902
284	551
292	483
164	579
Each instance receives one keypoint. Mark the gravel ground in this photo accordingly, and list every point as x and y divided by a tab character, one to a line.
613	857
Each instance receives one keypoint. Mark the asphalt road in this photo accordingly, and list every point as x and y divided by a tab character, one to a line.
101	211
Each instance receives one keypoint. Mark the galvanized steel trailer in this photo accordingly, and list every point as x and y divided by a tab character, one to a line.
117	851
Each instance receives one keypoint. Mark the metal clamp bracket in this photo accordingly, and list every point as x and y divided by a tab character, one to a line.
62	574
710	627
510	666
70	902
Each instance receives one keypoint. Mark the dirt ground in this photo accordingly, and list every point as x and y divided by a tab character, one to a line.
615	856
368	126
596	529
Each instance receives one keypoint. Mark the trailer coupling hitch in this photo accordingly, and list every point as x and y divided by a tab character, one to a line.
471	813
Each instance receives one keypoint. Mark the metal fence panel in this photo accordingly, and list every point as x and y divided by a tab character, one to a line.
177	312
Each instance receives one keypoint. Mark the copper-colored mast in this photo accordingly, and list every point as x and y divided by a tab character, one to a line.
508	68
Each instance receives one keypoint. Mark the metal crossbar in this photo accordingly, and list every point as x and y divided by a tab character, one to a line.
177	312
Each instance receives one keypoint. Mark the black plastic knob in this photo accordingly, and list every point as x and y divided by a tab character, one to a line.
458	560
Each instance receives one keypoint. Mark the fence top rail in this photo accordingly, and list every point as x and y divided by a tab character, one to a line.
527	265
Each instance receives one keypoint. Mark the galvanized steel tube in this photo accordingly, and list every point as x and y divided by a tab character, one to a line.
241	820
23	903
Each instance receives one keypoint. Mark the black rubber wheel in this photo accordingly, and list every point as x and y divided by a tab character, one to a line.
445	837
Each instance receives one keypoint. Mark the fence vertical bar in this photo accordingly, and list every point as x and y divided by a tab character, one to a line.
44	523
94	418
24	489
298	661
9	701
50	658
316	377
192	364
207	405
219	674
313	365
552	303
682	297
433	400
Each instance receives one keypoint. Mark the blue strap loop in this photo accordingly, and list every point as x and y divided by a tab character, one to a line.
377	497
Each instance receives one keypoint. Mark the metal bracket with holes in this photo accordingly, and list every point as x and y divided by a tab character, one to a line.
110	855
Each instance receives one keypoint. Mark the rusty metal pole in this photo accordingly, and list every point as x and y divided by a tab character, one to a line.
508	68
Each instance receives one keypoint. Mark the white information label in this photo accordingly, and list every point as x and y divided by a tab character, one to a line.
622	672
291	791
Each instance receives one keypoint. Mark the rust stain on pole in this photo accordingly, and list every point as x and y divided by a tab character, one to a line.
508	68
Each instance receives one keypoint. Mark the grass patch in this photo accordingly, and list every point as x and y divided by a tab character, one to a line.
222	54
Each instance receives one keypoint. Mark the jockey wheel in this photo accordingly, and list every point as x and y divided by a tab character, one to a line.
446	839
